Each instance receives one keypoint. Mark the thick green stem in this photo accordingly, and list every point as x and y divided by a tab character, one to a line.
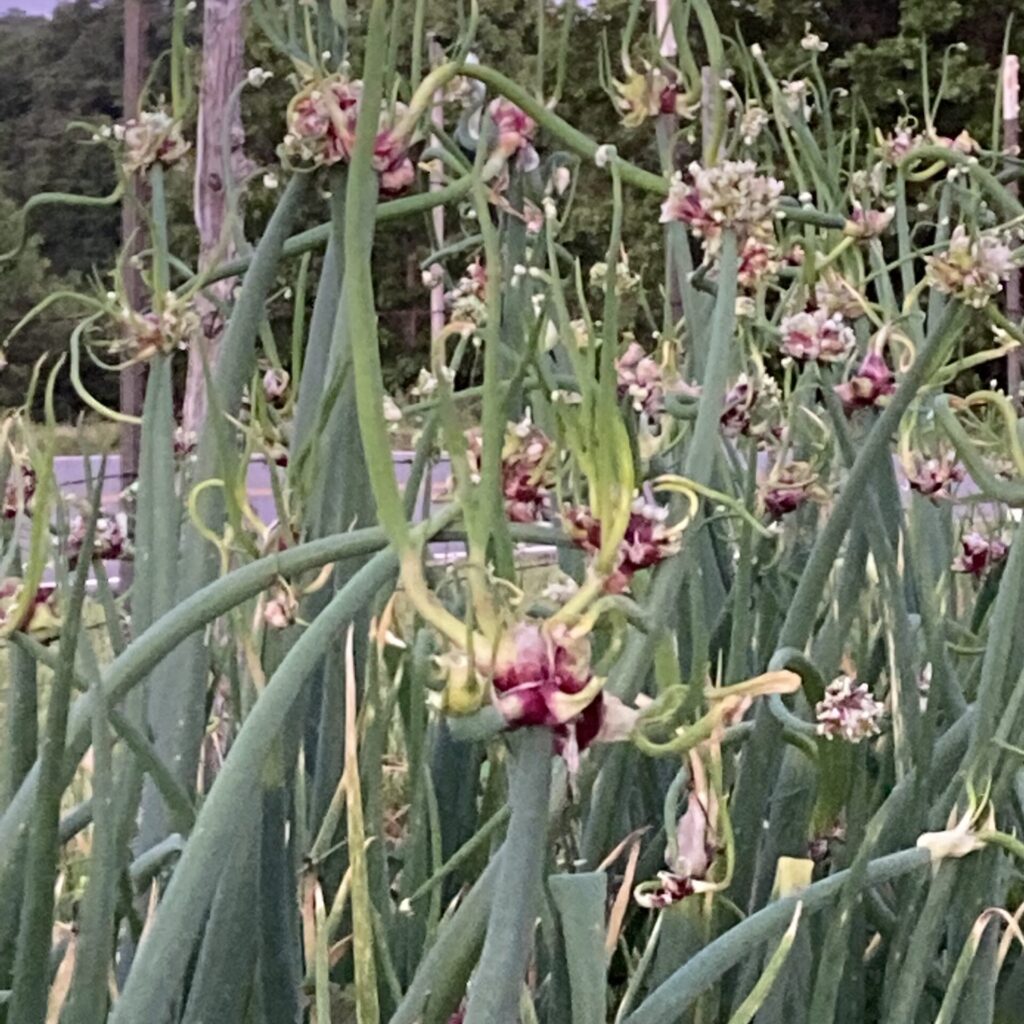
494	996
314	238
163	957
31	975
358	289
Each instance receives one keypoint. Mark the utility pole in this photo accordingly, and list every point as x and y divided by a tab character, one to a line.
223	50
1011	145
437	315
132	378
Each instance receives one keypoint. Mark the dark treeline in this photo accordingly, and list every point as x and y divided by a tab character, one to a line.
56	71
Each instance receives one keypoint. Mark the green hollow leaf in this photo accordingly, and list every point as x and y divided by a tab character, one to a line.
495	992
747	1010
226	962
159	966
29	988
580	900
669	1000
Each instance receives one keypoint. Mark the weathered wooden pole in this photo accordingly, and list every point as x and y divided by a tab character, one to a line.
1011	145
223	50
132	379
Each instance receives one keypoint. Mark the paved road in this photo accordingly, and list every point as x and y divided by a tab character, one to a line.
70	471
71	478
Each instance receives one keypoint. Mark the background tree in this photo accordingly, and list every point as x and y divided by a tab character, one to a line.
67	68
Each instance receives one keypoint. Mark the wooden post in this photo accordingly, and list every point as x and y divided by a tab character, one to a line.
437	317
223	48
666	127
1011	145
663	26
132	381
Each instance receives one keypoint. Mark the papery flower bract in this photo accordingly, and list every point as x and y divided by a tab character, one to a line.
154	137
647	541
275	384
971	269
834	294
321	129
865	224
812	41
691	855
516	131
19	489
872	382
754	121
649	93
789	487
39	618
258	77
963	836
816	335
933	476
728	195
979	554
848	711
757	260
110	540
796	95
143	335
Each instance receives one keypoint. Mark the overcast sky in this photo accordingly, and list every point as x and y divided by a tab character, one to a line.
29	6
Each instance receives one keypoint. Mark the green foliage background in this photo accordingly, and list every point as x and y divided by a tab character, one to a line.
68	68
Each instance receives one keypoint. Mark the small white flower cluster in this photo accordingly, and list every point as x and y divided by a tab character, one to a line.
626	281
816	336
972	269
835	294
258	77
391	410
154	137
730	195
753	121
145	334
796	94
848	711
812	42
467	300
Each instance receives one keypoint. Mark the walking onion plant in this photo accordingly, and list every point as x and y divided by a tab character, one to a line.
748	750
